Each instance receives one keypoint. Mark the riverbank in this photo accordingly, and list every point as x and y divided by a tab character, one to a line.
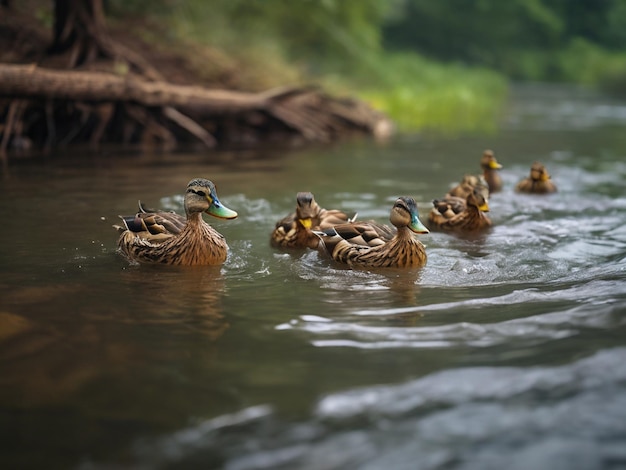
290	103
99	85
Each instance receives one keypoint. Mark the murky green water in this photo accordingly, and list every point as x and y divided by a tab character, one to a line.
504	352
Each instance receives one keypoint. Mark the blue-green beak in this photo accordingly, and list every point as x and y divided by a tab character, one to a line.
417	226
217	209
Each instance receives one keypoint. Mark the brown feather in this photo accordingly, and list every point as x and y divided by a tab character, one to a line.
538	182
470	219
168	238
491	173
372	245
290	231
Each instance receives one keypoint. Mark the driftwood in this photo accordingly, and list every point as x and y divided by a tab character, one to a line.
162	109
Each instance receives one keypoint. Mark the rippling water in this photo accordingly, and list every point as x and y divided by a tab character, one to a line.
505	351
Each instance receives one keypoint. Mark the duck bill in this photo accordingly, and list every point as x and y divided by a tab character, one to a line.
217	209
494	165
417	226
484	207
306	223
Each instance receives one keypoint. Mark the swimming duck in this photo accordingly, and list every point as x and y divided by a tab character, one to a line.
538	182
490	167
467	185
450	206
371	245
296	229
159	237
453	215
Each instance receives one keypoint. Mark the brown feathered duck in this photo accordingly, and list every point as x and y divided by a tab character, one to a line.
296	229
159	237
453	214
538	182
490	167
372	245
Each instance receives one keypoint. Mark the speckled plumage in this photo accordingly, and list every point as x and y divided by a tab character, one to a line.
470	219
296	229
370	245
158	237
538	182
467	185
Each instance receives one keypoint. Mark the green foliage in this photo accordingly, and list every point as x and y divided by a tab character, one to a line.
338	43
588	64
478	32
421	94
579	41
308	27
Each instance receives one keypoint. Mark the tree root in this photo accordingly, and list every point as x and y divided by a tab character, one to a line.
97	107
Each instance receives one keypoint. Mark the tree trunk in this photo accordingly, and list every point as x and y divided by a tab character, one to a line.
79	28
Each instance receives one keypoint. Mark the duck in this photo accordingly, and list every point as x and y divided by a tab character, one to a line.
160	237
538	182
450	206
453	214
490	167
296	229
372	245
467	185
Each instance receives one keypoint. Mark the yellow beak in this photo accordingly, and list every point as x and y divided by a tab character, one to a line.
306	223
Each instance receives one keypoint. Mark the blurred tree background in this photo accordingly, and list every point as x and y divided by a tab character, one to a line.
443	64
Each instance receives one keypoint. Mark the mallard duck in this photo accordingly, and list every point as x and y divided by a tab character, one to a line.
296	230
371	245
538	182
168	238
453	215
490	167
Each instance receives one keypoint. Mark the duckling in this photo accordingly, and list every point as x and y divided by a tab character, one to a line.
490	167
450	215
467	185
450	206
296	229
371	245
158	237
538	182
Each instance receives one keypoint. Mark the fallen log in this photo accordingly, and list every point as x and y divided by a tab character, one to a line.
305	112
34	82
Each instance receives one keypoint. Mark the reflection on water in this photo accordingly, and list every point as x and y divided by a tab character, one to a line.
189	297
505	350
45	362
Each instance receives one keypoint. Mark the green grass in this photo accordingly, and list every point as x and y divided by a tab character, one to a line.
419	94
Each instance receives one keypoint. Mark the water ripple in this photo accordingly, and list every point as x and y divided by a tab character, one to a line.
571	416
458	386
552	326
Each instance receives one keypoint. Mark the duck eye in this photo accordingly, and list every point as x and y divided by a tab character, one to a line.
199	193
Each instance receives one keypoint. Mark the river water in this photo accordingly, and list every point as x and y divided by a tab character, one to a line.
505	351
